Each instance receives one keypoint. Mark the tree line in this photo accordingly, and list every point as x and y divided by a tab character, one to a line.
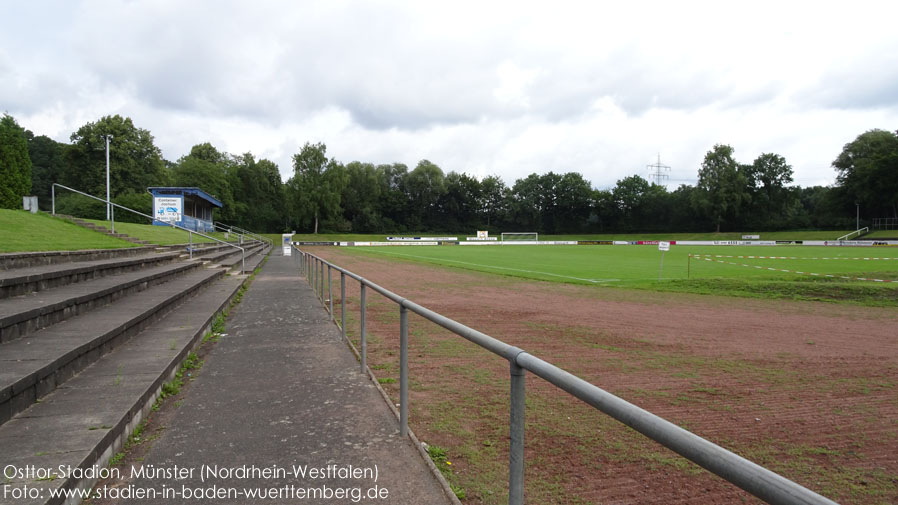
326	195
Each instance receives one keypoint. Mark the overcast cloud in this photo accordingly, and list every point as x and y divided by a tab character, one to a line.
505	88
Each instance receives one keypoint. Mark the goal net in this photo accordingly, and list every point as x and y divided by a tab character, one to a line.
530	236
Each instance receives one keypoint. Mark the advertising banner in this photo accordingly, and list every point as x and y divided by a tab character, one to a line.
168	208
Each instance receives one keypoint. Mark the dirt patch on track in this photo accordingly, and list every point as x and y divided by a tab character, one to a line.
809	390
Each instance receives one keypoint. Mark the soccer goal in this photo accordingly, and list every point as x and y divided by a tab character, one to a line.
529	236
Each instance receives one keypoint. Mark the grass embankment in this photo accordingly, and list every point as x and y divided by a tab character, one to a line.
161	235
784	272
23	231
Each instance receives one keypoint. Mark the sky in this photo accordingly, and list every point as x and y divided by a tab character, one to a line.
481	87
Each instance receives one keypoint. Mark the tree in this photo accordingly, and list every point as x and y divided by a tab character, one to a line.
493	199
425	185
258	193
209	170
722	186
360	197
767	178
459	204
47	162
393	204
15	164
527	204
628	197
868	171
135	162
316	185
573	203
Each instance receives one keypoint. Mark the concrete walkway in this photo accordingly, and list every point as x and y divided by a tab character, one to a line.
281	408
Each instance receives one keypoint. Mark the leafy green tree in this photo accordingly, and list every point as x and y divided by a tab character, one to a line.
258	193
573	203
393	202
425	185
15	164
605	212
722	186
682	215
868	171
460	203
47	161
493	200
527	204
360	197
771	199
316	186
135	161
628	195
208	169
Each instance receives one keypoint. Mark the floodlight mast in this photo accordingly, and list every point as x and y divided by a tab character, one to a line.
108	205
658	170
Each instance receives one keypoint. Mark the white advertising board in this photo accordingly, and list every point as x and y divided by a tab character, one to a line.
168	208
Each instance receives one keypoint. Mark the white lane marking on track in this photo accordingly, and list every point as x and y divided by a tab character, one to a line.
595	281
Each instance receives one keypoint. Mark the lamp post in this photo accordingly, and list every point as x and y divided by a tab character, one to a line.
108	137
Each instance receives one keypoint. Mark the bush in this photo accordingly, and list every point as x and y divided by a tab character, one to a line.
141	202
81	206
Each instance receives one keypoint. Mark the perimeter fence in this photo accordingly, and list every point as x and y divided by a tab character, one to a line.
766	485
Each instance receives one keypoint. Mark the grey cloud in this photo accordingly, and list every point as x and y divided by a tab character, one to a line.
857	89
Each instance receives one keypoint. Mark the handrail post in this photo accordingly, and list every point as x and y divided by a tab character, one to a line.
343	305
112	212
403	371
190	245
517	407
330	293
363	329
321	281
53	198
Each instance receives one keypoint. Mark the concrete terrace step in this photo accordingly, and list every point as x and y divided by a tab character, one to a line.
254	258
32	366
9	261
39	278
228	252
22	315
85	421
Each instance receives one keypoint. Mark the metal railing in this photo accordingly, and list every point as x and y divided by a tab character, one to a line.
885	223
859	232
243	238
153	219
240	231
749	476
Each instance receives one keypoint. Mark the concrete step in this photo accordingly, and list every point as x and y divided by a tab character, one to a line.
33	366
28	280
222	254
9	261
85	421
234	263
25	314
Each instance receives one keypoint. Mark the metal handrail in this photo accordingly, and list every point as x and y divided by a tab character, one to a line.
862	230
251	236
766	485
221	225
154	219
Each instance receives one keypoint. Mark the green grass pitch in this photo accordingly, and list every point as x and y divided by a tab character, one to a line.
684	268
